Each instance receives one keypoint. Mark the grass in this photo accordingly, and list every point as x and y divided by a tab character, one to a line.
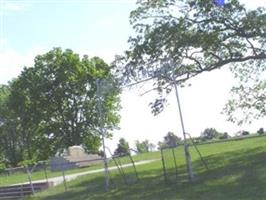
237	171
21	177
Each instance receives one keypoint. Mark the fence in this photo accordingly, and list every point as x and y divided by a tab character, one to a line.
121	171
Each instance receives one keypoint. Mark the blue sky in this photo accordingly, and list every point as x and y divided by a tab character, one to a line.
101	28
88	25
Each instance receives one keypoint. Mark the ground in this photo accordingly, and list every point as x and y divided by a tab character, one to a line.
237	171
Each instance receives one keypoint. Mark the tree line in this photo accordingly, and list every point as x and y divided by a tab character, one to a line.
170	140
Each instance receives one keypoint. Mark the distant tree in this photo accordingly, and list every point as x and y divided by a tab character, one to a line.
122	147
261	131
210	133
152	147
161	145
245	133
224	136
143	146
170	140
197	139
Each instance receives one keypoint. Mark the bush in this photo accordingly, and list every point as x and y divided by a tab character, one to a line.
122	147
210	133
245	133
27	163
2	167
261	131
224	136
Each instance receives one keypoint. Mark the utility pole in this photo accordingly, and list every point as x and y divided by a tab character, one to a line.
99	92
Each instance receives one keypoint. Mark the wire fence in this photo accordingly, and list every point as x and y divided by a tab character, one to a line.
121	171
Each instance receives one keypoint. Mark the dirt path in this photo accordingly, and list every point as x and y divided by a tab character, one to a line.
58	180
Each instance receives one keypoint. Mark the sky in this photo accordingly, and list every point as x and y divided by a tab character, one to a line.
101	28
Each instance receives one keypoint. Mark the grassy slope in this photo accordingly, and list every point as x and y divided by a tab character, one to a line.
237	171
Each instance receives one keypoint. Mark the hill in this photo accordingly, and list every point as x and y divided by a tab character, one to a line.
237	171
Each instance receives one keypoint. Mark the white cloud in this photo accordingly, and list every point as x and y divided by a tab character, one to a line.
7	7
11	6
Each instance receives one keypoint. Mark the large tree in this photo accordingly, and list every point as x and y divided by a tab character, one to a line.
10	140
56	102
176	40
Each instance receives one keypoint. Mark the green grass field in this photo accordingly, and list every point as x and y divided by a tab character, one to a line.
237	171
38	175
22	177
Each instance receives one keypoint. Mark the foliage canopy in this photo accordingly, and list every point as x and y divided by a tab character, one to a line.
176	40
54	103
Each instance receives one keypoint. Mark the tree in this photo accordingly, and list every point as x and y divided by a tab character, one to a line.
177	40
122	147
243	133
55	102
152	147
261	131
248	98
210	133
224	136
143	146
170	140
11	141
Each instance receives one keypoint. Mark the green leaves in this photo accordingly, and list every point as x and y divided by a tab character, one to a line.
122	148
248	102
55	103
190	37
170	141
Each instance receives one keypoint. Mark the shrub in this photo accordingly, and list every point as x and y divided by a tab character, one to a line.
224	136
245	133
210	133
2	167
261	131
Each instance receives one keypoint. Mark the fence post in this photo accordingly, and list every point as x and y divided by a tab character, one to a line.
176	174
30	181
137	176
189	163
164	170
45	173
21	190
64	177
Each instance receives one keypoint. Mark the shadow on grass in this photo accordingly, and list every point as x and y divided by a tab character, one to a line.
238	175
